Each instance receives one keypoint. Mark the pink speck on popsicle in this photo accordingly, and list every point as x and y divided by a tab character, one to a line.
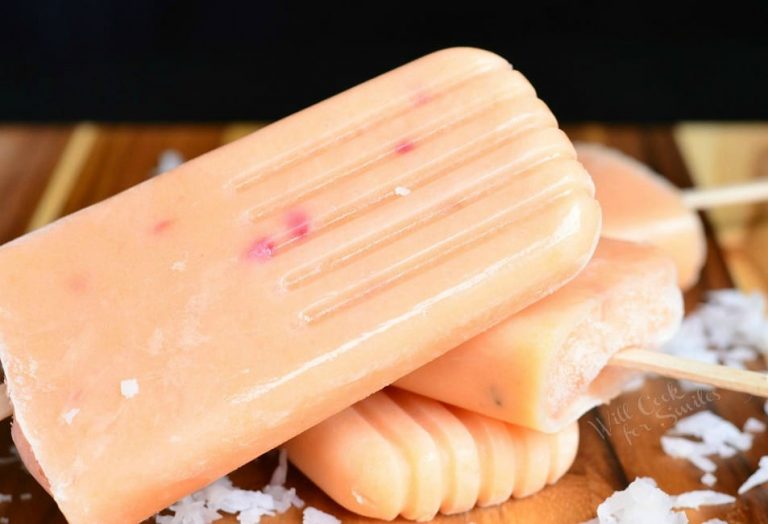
261	249
78	284
298	224
421	98
162	225
406	146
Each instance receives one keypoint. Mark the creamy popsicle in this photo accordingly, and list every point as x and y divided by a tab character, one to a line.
642	206
397	453
166	336
546	366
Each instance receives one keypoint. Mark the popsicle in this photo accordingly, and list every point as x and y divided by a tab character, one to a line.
554	354
166	336
642	206
397	453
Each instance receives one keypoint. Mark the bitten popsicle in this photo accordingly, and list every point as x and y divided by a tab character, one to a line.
547	365
642	206
398	453
164	337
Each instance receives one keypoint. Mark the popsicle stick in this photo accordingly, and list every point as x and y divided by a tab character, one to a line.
5	403
707	198
724	377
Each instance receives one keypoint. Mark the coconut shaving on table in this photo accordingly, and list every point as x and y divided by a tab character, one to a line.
730	328
704	435
644	502
203	507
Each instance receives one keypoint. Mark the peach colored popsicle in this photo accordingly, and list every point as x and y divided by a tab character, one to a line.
546	366
398	453
642	206
166	336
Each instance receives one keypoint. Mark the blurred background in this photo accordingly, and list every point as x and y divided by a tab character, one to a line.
192	60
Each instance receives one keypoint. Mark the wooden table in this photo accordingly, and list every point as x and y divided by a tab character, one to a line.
48	171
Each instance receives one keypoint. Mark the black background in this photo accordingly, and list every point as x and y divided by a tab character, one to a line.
219	60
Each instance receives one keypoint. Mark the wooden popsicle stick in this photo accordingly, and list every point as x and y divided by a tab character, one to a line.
5	403
667	365
706	198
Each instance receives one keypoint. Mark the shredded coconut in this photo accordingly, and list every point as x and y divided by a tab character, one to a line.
5	498
70	415
695	452
179	265
280	475
315	516
402	191
189	511
643	502
696	499
203	507
730	328
635	383
129	388
752	425
169	159
716	436
758	477
708	479
4	520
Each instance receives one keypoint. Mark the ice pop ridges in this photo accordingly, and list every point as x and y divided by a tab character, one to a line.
264	286
397	453
554	353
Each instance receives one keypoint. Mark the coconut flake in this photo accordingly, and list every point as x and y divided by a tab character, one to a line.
708	479
642	501
730	328
752	425
280	475
179	265
189	511
695	452
315	516
284	498
203	507
758	477
4	497
169	159
716	436
696	499
70	415
402	191
129	388
224	496
714	431
635	383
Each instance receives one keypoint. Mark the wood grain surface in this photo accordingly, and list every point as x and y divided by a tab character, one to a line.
48	171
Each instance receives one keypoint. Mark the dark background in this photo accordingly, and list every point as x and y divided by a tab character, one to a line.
213	60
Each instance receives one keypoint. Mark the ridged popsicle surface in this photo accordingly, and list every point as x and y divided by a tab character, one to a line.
264	286
398	453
